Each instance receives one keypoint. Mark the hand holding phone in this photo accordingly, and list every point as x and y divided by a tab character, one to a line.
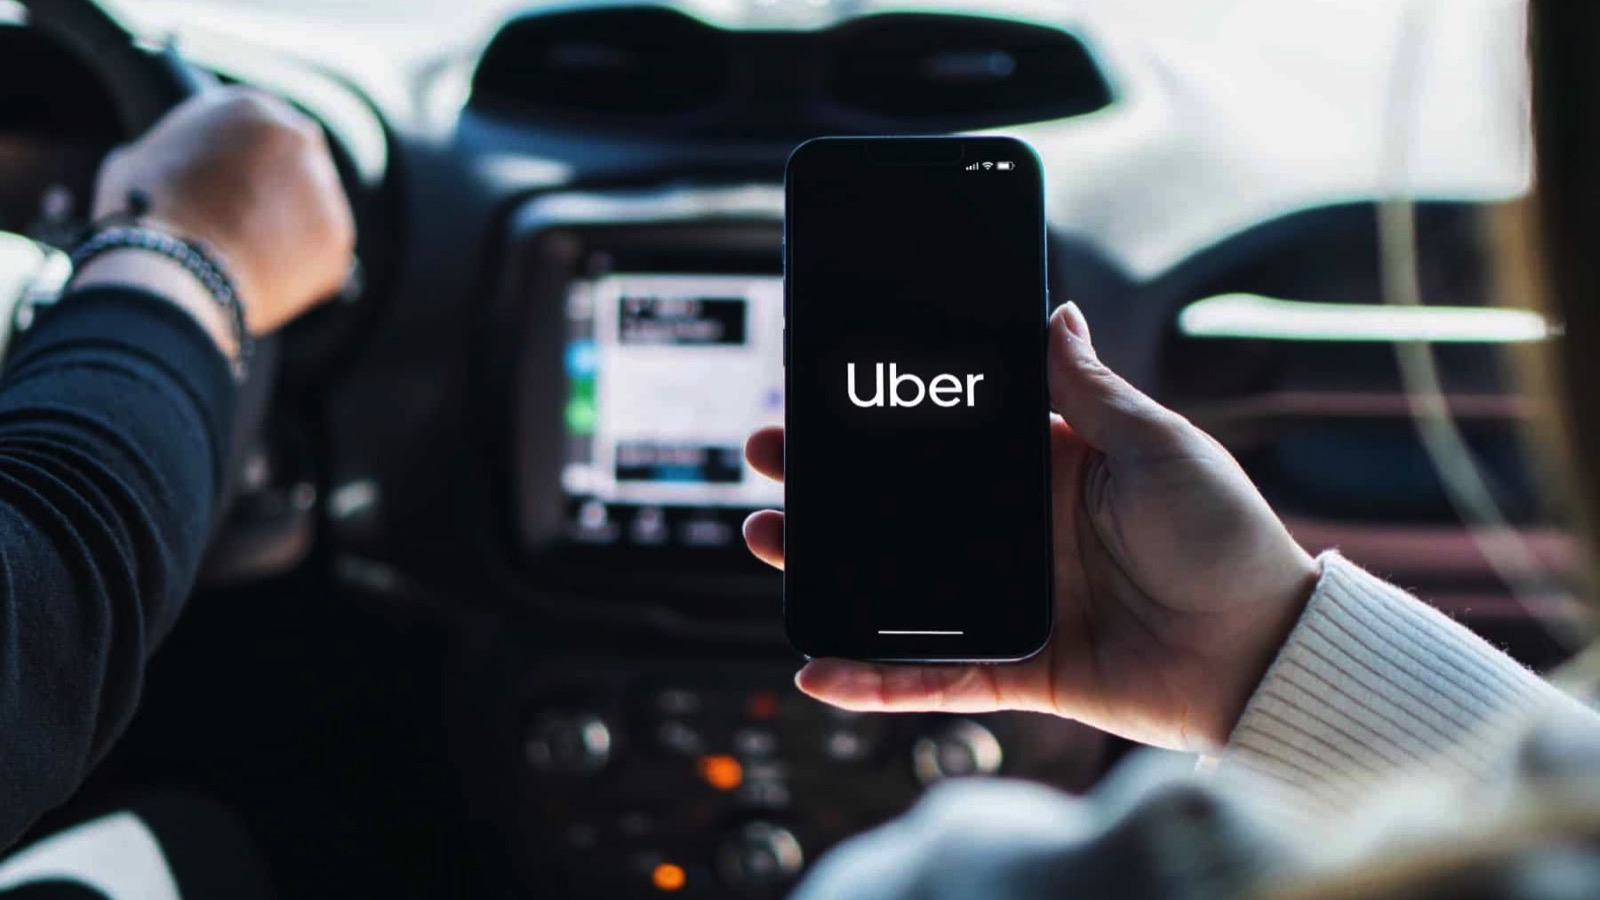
1175	583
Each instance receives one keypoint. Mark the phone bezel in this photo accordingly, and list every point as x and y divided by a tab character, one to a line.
870	152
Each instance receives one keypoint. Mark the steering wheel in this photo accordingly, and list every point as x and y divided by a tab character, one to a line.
143	84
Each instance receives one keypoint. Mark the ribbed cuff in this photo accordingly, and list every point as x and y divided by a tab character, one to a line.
1373	681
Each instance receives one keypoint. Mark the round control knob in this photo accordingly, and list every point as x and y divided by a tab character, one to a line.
760	855
568	743
954	750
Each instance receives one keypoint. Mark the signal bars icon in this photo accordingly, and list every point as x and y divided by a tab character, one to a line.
974	167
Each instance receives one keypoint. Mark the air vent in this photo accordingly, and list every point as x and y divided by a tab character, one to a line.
634	62
961	71
652	69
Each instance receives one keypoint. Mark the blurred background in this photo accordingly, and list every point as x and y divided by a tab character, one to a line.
483	596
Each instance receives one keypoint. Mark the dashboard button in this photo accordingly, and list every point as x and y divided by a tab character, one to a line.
704	531
755	742
677	702
649	526
765	794
761	706
845	745
676	737
760	855
568	743
765	785
956	750
635	825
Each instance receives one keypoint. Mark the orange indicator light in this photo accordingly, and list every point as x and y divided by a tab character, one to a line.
668	877
721	772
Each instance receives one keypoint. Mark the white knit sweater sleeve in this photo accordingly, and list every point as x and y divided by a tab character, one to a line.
1373	681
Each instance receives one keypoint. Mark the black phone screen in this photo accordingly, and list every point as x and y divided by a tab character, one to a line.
916	458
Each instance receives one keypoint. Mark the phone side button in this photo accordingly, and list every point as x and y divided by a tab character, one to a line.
786	346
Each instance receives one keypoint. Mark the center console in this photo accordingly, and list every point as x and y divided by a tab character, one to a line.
716	780
649	345
659	745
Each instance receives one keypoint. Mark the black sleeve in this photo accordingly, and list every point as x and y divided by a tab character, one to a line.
115	412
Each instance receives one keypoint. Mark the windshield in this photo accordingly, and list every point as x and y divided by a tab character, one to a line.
1227	112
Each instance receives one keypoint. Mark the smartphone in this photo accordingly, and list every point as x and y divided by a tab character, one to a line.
917	468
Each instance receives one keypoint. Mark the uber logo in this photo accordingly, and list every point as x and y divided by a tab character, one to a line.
943	390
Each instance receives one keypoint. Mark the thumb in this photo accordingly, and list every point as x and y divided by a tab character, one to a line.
870	687
1110	414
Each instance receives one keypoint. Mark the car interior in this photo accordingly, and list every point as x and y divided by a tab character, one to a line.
479	620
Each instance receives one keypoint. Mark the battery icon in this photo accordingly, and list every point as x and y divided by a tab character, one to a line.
1004	165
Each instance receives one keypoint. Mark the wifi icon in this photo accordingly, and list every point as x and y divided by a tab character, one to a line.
987	166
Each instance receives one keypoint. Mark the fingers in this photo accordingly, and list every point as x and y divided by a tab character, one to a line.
763	531
867	687
764	451
111	188
763	534
1106	411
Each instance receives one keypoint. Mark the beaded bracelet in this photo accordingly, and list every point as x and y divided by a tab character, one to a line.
195	258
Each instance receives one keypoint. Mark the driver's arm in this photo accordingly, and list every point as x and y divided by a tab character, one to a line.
115	415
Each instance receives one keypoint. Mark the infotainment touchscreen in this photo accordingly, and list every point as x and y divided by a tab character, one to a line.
667	374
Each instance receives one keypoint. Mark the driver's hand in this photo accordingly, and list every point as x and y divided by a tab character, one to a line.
247	174
1175	582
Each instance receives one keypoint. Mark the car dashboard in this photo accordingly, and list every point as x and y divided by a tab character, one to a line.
518	449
